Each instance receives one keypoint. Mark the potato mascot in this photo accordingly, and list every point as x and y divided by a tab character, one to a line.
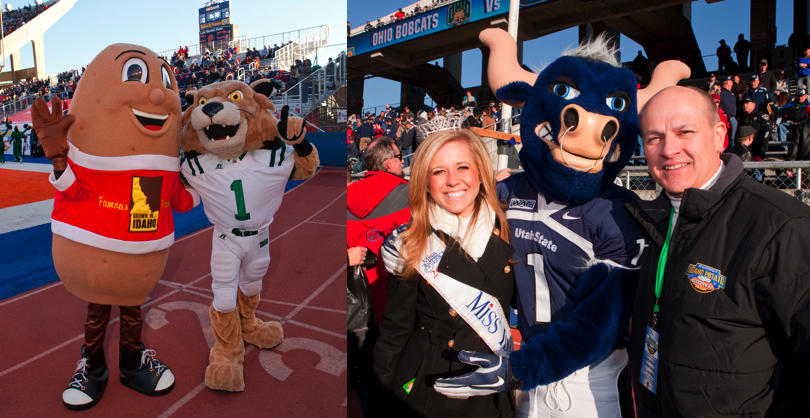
116	166
239	158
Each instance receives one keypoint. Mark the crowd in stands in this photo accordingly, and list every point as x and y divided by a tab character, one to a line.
401	124
189	75
16	18
763	101
64	86
401	15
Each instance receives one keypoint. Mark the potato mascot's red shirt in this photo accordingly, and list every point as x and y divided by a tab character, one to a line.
121	204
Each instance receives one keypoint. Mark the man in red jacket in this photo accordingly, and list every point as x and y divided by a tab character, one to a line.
377	205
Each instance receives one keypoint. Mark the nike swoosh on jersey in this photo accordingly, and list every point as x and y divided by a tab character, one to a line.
565	216
490	385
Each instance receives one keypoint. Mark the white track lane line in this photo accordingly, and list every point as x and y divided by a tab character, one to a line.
34	292
278	317
314	294
278	302
327	223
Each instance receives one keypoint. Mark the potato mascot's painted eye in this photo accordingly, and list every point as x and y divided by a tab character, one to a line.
167	79
135	70
203	101
236	95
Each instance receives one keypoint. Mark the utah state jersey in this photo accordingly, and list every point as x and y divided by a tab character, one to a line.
556	242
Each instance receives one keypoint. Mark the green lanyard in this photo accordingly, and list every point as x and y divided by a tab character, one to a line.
662	262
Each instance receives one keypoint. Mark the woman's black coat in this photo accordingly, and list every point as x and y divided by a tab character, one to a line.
420	339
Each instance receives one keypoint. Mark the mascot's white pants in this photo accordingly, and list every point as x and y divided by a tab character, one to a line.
237	263
589	392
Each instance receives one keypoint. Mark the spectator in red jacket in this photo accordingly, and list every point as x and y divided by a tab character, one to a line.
377	205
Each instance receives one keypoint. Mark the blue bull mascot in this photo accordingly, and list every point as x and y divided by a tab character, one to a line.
578	248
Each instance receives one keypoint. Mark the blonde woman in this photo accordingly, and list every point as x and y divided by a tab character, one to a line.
452	284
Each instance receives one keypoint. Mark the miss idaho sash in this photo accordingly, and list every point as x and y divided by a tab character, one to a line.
481	311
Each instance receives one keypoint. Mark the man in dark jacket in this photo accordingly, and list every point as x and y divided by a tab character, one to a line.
758	93
745	136
766	77
742	48
723	329
729	105
365	132
758	120
801	143
408	142
723	58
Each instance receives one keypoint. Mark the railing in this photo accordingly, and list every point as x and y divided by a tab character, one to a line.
791	177
267	40
303	47
320	82
21	103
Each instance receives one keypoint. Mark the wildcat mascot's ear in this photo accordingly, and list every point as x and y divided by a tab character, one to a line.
266	87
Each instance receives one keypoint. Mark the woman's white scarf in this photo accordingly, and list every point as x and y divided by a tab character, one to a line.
474	241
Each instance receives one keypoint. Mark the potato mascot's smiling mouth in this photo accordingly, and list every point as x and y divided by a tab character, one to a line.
150	121
216	132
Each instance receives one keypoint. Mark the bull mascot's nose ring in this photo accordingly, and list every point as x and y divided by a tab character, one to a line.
562	148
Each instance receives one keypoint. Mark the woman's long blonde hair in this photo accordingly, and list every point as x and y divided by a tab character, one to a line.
415	238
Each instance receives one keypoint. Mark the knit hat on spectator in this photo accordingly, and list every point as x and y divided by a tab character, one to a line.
745	132
801	92
747	98
754	77
716	98
763	62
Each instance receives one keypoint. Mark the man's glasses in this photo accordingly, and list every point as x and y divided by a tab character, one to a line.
398	156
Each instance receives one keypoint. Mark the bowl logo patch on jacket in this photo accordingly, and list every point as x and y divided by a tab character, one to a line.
705	279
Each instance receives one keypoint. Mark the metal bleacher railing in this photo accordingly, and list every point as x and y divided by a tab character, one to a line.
245	41
791	177
320	84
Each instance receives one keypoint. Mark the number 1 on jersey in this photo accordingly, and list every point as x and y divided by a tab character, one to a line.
241	214
542	295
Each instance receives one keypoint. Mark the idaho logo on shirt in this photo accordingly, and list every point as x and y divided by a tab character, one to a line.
705	279
145	204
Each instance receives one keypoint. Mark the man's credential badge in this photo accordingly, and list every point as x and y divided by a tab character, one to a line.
705	279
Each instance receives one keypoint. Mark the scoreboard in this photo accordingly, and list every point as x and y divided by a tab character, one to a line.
215	15
216	30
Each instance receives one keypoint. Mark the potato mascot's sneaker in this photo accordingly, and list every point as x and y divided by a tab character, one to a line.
142	372
88	382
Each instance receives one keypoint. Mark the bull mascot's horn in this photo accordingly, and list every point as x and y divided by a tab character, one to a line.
503	68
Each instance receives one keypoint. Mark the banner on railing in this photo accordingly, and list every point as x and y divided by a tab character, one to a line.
452	15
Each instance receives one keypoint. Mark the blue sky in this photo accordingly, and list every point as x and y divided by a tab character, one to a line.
161	25
711	22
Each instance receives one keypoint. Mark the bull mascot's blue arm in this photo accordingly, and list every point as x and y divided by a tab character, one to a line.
579	127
